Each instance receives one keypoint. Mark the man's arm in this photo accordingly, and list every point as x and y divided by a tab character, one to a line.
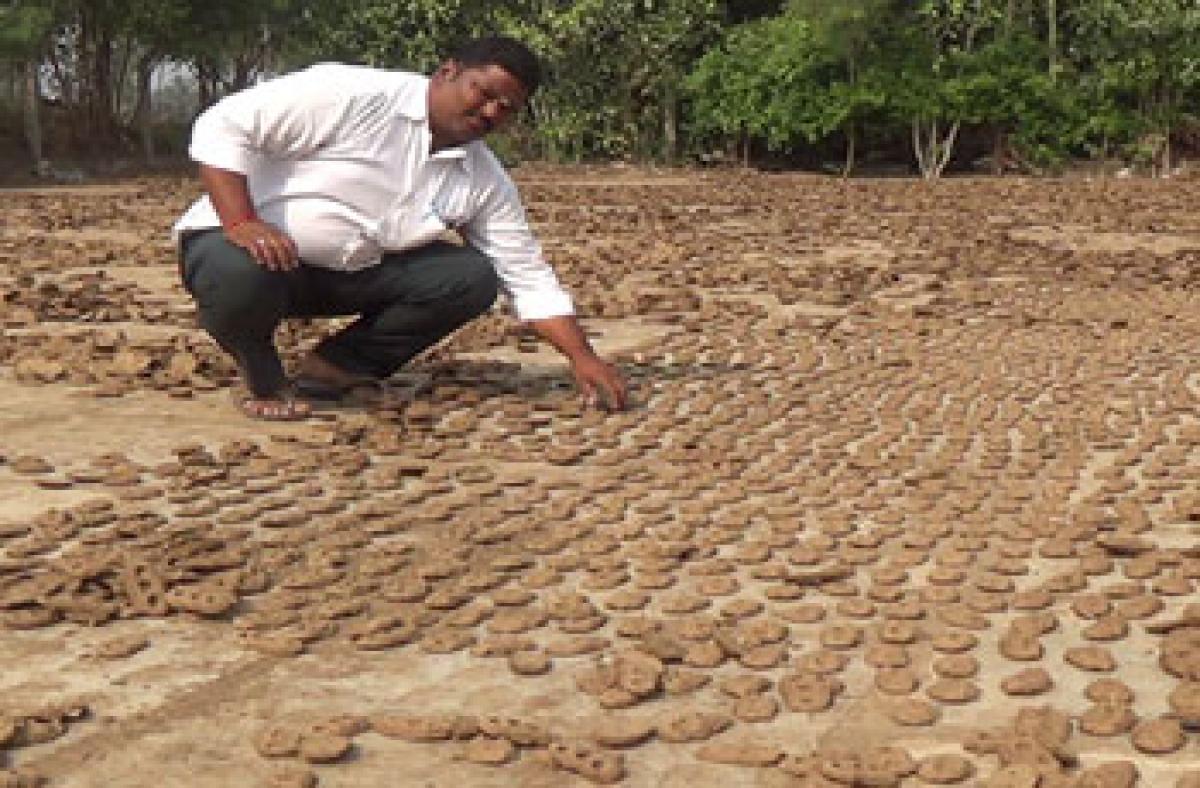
266	243
600	383
501	231
286	117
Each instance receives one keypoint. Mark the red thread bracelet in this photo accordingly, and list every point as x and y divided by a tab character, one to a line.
234	225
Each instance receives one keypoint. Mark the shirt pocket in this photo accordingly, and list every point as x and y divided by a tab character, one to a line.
451	204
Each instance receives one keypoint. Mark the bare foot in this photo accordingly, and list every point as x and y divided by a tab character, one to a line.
315	368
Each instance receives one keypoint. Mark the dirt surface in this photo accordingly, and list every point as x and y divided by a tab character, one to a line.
908	496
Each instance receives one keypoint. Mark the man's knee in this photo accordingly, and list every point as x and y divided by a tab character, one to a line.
470	284
229	285
482	284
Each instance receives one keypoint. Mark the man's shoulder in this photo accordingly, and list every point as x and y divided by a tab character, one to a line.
486	165
401	91
365	77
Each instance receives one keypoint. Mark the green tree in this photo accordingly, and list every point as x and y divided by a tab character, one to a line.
854	39
760	83
615	70
25	30
943	38
411	34
230	44
614	66
1143	56
1035	119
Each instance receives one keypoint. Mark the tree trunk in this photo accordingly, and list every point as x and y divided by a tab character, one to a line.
33	112
119	68
918	146
98	127
143	111
933	151
947	148
206	88
851	150
670	149
1164	163
998	151
851	127
1052	36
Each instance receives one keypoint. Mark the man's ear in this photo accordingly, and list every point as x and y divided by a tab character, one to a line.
449	70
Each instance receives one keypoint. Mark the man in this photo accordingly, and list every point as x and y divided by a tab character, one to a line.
329	191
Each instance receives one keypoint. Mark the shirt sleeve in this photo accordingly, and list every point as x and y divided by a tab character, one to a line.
286	117
499	230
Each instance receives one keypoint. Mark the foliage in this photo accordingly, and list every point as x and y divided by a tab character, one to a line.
1142	61
24	29
650	79
410	34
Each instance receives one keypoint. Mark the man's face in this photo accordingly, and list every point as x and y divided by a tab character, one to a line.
466	103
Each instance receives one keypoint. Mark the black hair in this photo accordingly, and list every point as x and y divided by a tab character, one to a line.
508	53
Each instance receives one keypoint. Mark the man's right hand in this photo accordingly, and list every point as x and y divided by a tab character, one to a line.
267	244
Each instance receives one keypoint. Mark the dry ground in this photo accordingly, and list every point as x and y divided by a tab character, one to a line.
909	496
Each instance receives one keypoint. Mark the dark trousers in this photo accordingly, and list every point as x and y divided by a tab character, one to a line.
406	303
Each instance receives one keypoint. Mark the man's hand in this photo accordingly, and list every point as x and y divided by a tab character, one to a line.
267	244
601	383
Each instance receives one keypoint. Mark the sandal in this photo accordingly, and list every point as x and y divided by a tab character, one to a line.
285	408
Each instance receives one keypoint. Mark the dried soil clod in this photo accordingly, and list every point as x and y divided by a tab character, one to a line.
529	663
414	727
120	647
1114	774
489	752
1184	701
1015	776
324	748
758	708
740	753
803	692
519	732
291	777
1091	658
589	762
1158	737
689	726
1031	681
1107	719
620	731
945	769
1109	691
912	711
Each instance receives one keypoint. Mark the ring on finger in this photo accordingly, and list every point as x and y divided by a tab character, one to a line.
260	241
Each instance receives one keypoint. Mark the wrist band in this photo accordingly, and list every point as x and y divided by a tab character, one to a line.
238	223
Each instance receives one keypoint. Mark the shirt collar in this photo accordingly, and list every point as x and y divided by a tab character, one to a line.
455	156
415	106
414	103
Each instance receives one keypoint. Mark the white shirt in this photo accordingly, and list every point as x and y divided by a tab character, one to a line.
338	157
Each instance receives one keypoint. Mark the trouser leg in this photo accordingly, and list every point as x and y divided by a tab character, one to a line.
240	305
407	303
